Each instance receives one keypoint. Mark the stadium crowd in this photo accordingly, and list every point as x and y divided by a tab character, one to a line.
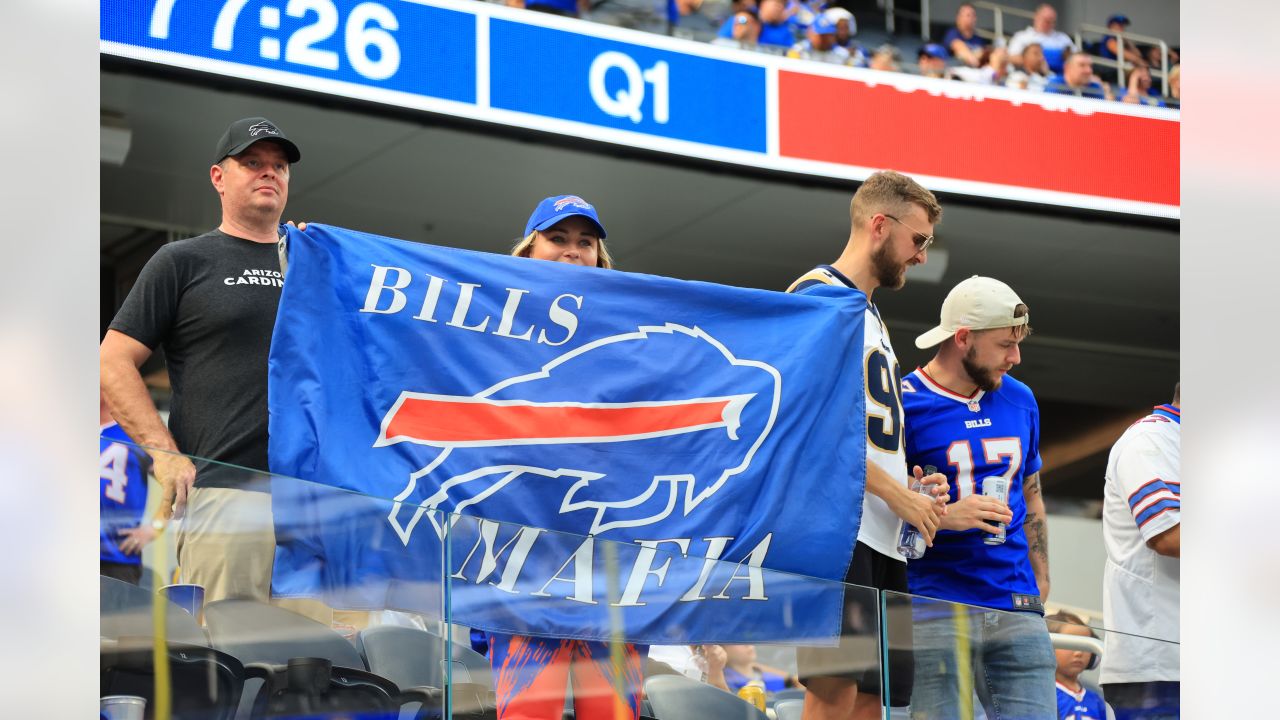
1039	57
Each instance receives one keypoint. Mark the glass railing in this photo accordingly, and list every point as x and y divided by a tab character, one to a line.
299	599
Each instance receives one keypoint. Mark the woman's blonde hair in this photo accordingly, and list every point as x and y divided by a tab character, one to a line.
524	247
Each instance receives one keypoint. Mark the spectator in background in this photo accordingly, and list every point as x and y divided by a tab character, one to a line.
1043	32
884	58
820	44
210	302
1175	83
1152	55
740	28
802	13
774	29
1140	90
846	27
742	668
1142	531
1111	46
567	8
704	663
932	60
962	40
1075	701
994	70
1077	79
122	468
1034	74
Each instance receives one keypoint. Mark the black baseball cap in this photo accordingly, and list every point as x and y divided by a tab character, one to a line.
243	133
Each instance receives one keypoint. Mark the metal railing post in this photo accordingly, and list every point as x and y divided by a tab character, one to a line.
1164	69
925	20
1119	60
888	17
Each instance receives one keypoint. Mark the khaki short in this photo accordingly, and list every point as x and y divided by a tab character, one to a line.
227	543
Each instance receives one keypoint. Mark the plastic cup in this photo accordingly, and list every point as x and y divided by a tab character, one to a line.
123	707
188	596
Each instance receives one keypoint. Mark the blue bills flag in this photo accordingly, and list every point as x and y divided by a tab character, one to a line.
652	457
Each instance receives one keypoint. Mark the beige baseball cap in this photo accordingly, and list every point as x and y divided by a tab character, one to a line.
978	303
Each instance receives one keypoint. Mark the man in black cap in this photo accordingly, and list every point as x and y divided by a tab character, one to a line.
210	302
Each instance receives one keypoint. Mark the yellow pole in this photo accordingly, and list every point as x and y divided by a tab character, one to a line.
964	669
160	647
621	710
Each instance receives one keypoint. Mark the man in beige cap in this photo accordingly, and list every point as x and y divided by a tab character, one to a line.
966	414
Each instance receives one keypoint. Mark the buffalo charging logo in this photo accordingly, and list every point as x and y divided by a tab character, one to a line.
623	431
259	128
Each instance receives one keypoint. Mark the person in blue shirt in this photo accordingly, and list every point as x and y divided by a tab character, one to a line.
741	668
1110	45
964	414
567	8
1141	91
962	40
1075	701
1077	78
740	28
774	28
122	494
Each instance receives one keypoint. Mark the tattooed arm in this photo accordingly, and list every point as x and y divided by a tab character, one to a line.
1037	533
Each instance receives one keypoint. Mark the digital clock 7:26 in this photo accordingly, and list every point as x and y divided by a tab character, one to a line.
369	46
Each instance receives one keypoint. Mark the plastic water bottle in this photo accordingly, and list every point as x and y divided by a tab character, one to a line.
911	543
996	488
753	692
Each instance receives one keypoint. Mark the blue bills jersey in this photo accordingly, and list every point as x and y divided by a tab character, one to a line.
1085	705
123	494
970	439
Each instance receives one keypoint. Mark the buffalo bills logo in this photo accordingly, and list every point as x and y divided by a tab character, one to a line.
574	200
262	127
624	430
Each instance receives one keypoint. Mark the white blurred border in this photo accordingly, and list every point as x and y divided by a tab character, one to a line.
48	374
1230	273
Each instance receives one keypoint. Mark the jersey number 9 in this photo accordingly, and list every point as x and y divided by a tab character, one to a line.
884	406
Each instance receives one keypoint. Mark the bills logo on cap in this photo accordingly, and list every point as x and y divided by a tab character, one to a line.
574	200
549	432
263	127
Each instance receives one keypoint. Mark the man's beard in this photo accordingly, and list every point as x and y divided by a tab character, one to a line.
888	273
985	378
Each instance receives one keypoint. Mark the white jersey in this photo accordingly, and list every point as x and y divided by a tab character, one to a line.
1143	498
880	526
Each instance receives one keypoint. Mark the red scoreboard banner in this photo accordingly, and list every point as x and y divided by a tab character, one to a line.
1074	146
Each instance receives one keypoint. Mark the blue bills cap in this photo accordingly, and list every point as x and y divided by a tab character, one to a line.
558	207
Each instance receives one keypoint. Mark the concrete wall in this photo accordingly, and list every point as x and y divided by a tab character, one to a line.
1076	559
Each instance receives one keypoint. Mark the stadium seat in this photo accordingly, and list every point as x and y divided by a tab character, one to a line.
315	687
415	660
206	684
675	697
266	638
789	709
256	632
125	611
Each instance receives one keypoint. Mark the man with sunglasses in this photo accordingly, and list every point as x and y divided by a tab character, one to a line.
892	227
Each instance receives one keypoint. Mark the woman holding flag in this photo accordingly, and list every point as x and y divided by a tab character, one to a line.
532	673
